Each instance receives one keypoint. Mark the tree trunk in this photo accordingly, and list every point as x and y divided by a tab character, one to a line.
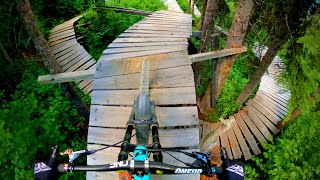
189	6
204	6
193	1
208	24
5	54
32	27
235	39
262	68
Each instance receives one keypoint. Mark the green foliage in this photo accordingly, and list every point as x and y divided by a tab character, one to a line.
183	5
293	155
302	75
37	117
106	25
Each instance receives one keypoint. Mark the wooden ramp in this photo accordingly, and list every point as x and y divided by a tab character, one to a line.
160	38
71	56
256	122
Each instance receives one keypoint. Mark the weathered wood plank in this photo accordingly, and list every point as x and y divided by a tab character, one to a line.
273	100
146	44
141	53
244	148
137	49
139	35
147	39
247	134
66	77
59	47
80	63
168	137
64	50
216	54
75	60
165	78
252	127
137	31
279	112
88	88
168	96
185	27
68	31
265	111
133	65
225	143
257	121
233	144
60	36
252	111
62	40
115	116
67	55
270	93
184	31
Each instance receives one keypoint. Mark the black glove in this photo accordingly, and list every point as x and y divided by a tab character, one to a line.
232	170
44	171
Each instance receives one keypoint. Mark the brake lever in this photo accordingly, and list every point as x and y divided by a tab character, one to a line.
73	155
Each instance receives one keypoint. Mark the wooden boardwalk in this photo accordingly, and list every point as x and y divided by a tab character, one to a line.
71	56
160	38
256	122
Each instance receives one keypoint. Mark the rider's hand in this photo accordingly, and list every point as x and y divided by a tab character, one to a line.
232	170
44	171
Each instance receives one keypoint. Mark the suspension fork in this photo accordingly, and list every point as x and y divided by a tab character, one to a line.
157	156
126	146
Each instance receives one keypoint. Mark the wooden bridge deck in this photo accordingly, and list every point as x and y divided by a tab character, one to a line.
256	122
70	55
160	38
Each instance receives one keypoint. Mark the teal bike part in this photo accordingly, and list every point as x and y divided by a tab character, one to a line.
141	154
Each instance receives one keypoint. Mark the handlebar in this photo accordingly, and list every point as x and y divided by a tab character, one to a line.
140	166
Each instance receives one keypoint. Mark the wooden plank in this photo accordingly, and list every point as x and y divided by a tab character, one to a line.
83	84
91	64
116	116
167	96
216	54
125	66
274	95
110	57
78	61
88	88
252	127
170	20
66	77
181	27
165	78
64	50
147	39
256	114
250	139
67	55
137	31
68	31
265	111
155	22
233	144
279	112
279	93
273	100
140	35
61	30
225	143
137	49
244	148
63	45
146	44
60	36
257	121
62	40
206	129
185	31
168	137
69	60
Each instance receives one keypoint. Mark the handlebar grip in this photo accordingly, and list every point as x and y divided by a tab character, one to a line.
62	168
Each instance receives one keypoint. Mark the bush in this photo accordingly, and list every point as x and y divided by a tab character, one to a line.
294	154
37	117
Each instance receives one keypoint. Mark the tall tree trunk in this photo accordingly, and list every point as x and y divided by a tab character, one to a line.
235	39
204	6
193	1
294	13
5	54
189	6
208	24
32	27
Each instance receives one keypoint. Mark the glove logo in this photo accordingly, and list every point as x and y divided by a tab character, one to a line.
41	167
236	169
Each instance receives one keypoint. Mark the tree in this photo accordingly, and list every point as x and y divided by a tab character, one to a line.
32	27
5	54
289	22
235	39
